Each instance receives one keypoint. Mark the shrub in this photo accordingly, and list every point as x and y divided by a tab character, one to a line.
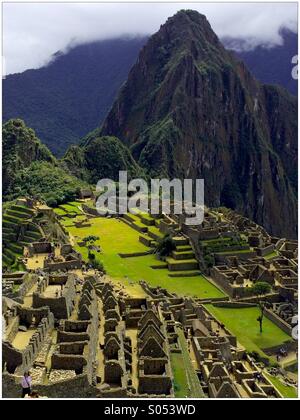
165	246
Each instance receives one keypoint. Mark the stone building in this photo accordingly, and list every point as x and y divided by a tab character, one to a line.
154	364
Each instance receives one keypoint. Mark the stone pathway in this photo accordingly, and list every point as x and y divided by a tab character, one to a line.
132	334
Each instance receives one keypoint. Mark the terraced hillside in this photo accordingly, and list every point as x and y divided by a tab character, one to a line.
18	230
72	209
182	261
128	253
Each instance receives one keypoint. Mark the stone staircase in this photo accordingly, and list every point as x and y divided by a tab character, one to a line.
182	262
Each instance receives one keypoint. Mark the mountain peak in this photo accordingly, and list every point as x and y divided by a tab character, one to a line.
189	109
187	15
187	25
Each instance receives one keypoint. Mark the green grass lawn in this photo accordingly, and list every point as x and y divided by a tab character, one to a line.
271	255
117	237
71	208
180	380
155	231
60	212
195	390
243	324
69	222
285	390
241	251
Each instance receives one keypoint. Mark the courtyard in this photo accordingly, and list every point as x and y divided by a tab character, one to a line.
243	323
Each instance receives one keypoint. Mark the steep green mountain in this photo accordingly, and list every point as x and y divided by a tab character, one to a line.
29	168
70	96
190	109
101	157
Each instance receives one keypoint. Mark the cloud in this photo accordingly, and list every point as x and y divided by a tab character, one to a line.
32	32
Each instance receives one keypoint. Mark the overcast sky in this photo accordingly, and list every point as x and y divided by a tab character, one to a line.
32	32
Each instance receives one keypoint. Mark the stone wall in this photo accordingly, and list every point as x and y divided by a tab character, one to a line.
63	266
221	258
234	305
135	254
155	385
23	360
265	251
60	306
12	329
28	283
40	248
78	387
146	241
68	362
223	281
89	210
272	316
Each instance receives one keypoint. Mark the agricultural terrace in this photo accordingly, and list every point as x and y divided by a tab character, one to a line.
116	237
18	230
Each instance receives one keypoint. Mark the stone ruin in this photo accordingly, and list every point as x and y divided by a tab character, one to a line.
20	320
155	377
58	293
225	370
17	285
36	248
116	348
77	339
69	260
95	342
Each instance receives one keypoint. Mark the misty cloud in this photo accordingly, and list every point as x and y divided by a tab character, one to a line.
32	32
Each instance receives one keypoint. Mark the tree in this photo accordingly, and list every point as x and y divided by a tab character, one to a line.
91	256
209	261
90	240
97	265
261	289
165	246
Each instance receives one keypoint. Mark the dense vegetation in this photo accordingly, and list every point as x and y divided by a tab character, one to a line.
51	183
101	157
20	148
29	168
